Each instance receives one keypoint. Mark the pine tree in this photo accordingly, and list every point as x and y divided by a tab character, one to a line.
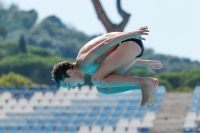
22	44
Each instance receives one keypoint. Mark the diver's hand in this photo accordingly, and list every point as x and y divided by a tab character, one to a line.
141	31
153	64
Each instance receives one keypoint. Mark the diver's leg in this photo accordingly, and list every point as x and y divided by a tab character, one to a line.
105	76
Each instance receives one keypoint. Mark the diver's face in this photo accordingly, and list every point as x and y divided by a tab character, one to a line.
74	81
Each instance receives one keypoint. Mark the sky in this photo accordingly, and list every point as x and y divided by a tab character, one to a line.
174	24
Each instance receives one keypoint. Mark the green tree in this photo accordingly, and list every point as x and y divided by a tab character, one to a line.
22	44
15	79
3	31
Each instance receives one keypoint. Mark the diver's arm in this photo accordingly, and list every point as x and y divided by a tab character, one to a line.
100	48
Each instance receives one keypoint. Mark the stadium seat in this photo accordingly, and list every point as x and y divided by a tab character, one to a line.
2	129
65	122
11	89
21	89
187	130
2	89
27	95
123	123
76	122
83	129
135	123
42	89
112	122
37	128
132	130
100	122
120	130
107	129
13	129
95	129
60	129
144	130
25	129
72	129
48	129
53	88
88	122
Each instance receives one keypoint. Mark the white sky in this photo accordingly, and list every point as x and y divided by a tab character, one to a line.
174	24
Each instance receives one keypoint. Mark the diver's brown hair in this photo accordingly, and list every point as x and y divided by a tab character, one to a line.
59	71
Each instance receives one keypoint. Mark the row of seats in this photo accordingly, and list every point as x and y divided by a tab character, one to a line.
31	89
73	129
192	120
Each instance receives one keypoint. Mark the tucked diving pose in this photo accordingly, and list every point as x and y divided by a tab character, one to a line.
106	58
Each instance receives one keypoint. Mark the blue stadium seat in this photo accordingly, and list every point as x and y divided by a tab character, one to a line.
142	109
2	89
61	109
197	130
96	109
16	95
48	129
39	108
41	122
2	129
58	115
19	122
81	115
104	115
198	123
51	108
11	89
87	102
37	128
43	89
69	115
77	122
133	102
7	121
139	115
21	89
100	122
27	95
73	108
130	108
32	89
194	109
122	102
107	109
13	129
153	109
72	129
30	122
112	122
25	129
144	130
115	115
88	122
53	122
53	88
128	114
92	115
119	108
187	130
65	122
60	129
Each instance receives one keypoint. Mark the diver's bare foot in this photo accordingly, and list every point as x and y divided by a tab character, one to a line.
149	91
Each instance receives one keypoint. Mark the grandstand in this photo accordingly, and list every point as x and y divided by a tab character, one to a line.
80	110
192	120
